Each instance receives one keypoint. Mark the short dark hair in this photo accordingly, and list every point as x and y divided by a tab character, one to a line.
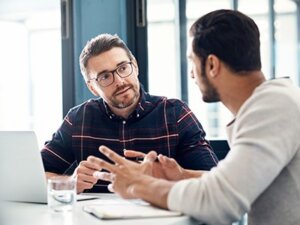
98	45
231	36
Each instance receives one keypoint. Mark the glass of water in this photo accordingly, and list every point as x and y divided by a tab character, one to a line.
61	193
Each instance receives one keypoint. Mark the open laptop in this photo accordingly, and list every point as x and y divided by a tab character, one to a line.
22	173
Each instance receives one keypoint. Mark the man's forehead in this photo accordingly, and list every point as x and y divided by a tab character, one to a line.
107	60
112	56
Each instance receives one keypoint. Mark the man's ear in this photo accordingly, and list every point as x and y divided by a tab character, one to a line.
91	88
213	65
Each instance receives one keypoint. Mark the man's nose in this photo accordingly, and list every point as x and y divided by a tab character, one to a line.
118	79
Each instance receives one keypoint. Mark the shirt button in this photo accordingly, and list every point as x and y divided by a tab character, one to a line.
124	122
110	117
137	115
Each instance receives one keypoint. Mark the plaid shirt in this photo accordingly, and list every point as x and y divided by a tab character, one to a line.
165	125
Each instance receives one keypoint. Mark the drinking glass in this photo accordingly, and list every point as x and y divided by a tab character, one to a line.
61	193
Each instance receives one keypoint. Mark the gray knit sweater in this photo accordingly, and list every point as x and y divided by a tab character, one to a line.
261	173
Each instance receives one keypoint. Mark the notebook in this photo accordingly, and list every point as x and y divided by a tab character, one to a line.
126	209
21	168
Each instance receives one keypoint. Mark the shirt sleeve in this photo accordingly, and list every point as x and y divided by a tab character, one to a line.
57	153
194	151
263	143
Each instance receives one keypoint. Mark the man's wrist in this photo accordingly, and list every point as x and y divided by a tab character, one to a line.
192	174
144	189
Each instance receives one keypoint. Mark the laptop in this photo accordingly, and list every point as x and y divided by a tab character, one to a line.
21	168
22	172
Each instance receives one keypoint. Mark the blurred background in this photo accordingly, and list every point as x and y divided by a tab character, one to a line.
41	41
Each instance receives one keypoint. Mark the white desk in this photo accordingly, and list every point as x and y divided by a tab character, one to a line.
39	214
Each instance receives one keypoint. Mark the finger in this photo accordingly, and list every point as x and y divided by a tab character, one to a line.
86	178
89	165
112	155
132	154
110	188
94	162
97	162
160	158
103	164
163	159
86	168
103	176
150	157
81	186
167	162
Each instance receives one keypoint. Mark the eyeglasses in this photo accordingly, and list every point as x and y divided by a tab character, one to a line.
107	78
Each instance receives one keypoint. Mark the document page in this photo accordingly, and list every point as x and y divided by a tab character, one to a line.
126	209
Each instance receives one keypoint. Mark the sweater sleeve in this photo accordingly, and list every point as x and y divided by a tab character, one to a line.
263	141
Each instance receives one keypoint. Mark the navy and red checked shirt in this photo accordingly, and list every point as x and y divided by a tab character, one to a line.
165	125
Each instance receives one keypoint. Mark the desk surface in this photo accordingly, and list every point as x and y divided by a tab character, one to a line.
36	214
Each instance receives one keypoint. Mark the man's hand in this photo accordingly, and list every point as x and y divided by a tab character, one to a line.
85	178
124	173
165	168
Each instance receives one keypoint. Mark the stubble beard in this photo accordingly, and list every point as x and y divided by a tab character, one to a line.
210	94
125	104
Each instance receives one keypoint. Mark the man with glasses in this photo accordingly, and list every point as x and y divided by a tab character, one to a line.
124	117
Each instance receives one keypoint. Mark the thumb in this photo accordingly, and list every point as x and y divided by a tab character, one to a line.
150	157
167	162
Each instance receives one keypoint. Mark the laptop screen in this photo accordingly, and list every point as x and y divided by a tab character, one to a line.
22	173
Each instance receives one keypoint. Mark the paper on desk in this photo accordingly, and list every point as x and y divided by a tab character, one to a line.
127	210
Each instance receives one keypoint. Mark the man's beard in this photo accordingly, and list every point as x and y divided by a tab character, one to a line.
124	104
210	94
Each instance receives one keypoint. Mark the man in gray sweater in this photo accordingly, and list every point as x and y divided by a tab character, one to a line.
261	173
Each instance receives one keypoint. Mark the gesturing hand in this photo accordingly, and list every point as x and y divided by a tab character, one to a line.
124	173
166	168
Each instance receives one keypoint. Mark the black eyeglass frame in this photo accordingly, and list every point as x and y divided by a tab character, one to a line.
113	74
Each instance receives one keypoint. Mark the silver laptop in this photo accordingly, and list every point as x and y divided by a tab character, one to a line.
22	174
21	168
